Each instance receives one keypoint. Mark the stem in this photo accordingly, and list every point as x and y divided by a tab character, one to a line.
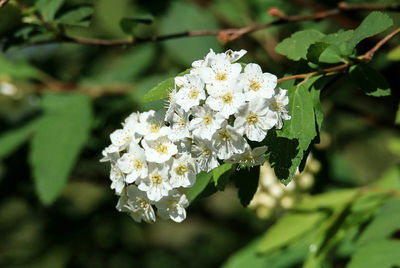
224	35
3	2
367	56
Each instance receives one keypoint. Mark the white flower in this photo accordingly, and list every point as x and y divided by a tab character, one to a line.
136	204
180	81
133	163
117	179
159	150
254	119
191	93
257	84
228	142
205	155
152	126
157	184
221	70
278	105
225	98
179	125
184	145
234	56
250	157
7	89
202	63
120	139
205	122
171	105
183	171
173	206
110	153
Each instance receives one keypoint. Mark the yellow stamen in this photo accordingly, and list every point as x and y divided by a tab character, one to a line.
138	163
224	135
227	98
162	149
252	118
221	76
193	94
254	85
207	119
181	169
156	178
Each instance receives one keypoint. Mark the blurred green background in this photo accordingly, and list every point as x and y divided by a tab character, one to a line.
359	143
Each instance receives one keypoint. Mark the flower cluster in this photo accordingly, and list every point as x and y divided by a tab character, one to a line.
213	113
272	197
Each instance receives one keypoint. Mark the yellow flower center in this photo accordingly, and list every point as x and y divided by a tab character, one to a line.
193	94
276	106
224	135
206	151
154	128
156	178
181	169
138	163
221	76
182	122
162	149
207	119
227	98
252	118
142	203
254	85
172	204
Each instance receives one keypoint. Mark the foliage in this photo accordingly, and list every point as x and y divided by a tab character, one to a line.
69	97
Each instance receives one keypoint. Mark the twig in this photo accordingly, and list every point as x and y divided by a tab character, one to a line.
367	56
224	35
3	2
370	53
96	91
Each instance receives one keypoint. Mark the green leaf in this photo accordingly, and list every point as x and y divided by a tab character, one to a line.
249	256
394	54
385	223
11	140
202	180
373	24
295	47
315	50
218	178
246	180
383	253
128	25
49	8
289	228
287	146
330	200
369	80
61	134
78	17
162	89
18	70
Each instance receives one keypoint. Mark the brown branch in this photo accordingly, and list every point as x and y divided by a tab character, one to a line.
3	2
224	35
367	56
370	53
